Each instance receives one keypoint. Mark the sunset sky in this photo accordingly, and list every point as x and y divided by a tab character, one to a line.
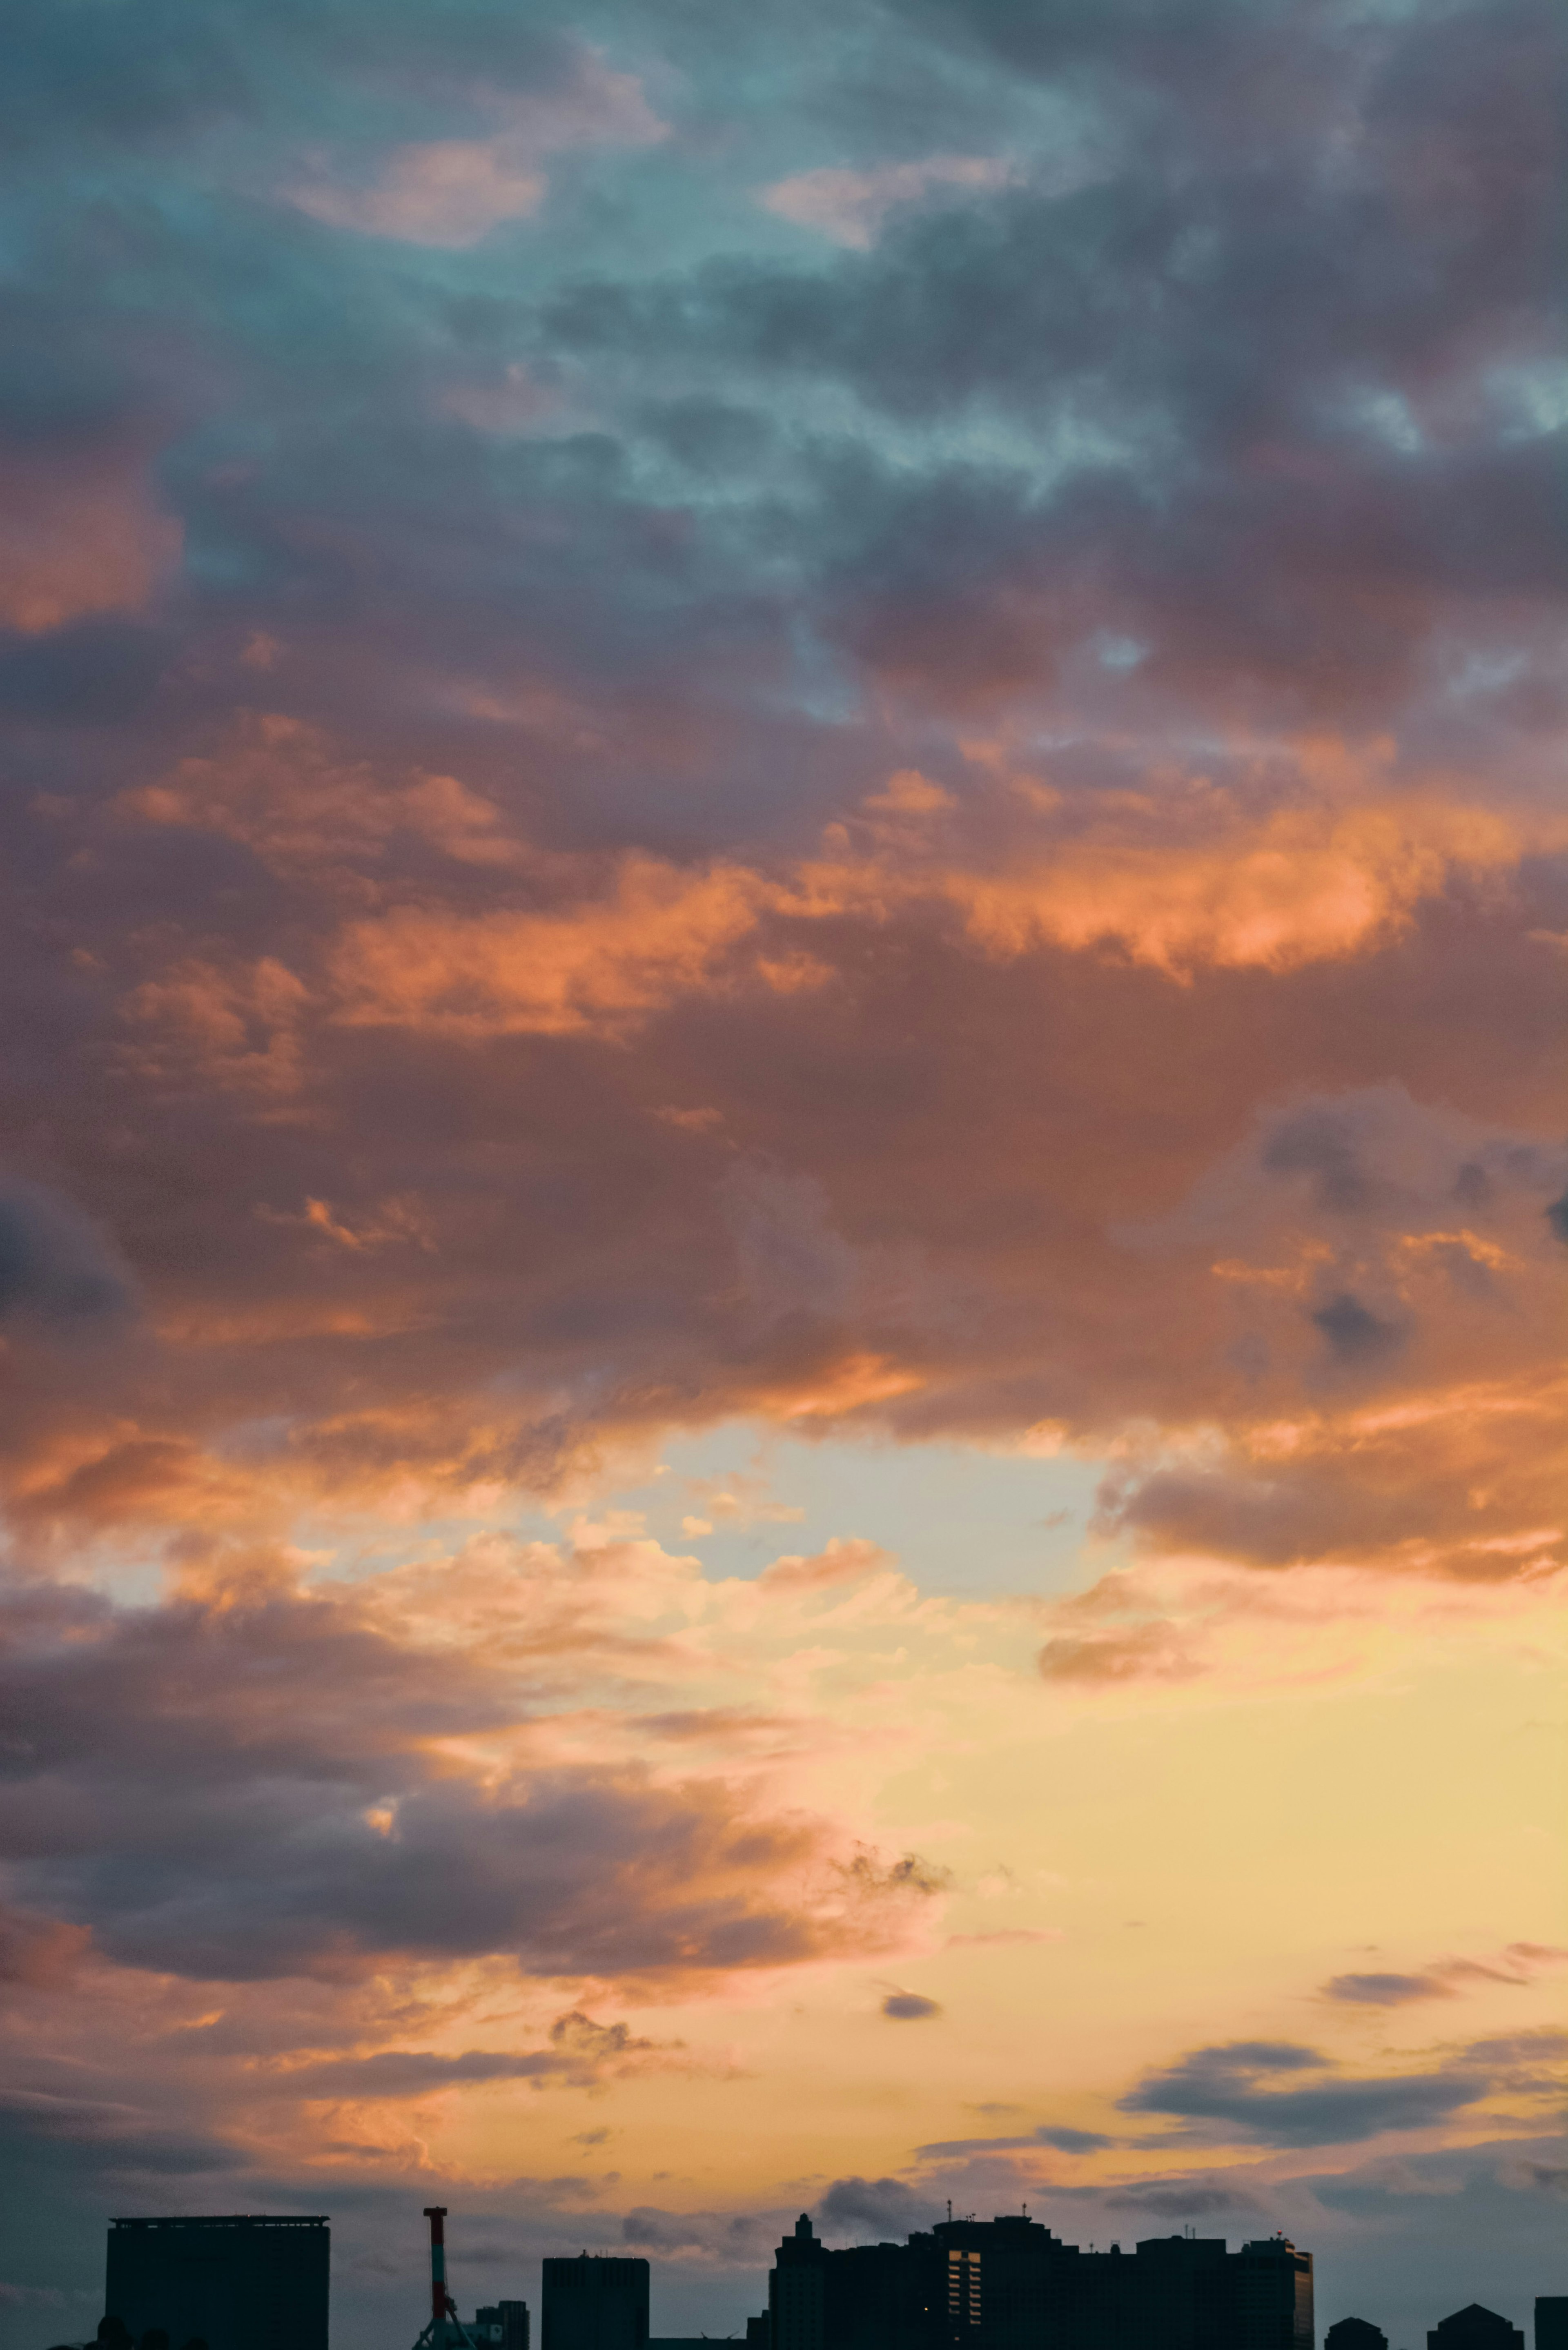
784	1218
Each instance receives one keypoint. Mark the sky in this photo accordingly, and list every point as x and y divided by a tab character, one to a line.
783	1206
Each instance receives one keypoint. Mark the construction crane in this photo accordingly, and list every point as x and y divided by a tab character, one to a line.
446	2330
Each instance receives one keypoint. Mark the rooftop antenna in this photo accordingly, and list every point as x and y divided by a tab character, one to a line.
446	2330
950	2207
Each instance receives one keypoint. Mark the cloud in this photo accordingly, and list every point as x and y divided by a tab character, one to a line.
845	1560
910	2007
277	789
215	1808
37	1951
580	2052
56	1270
938	827
1537	2177
1516	1966
1183	2199
410	2073
1352	1331
850	206
1004	1934
112	2140
1386	1991
450	192
1063	2140
882	2208
604	966
1232	2090
82	533
1142	1652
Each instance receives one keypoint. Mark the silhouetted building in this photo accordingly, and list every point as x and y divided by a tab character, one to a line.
501	2326
1176	2293
1273	2296
795	2290
594	2303
1008	2284
1552	2320
239	2283
1357	2333
1475	2328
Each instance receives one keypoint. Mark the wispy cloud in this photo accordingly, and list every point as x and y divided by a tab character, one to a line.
850	206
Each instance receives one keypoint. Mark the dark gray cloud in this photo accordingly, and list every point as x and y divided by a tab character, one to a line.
580	2052
1235	2090
92	673
243	1793
910	2007
880	2208
1184	2199
54	1266
1537	2177
1064	2141
1354	1332
110	2142
410	2073
1386	1991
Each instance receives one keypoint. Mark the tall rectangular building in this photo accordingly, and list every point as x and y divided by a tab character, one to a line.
1552	2320
796	2298
1274	2296
1183	2293
594	2303
246	2282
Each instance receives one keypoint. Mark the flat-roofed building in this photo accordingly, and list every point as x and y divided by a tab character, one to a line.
249	2281
597	2302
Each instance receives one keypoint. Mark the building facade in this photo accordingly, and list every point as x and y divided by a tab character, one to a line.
594	2303
246	2282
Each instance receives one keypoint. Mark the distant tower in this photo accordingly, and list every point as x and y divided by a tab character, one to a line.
1552	2320
445	2331
795	2289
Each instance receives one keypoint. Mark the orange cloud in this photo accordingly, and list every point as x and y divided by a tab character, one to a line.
279	788
80	532
238	1027
1304	886
659	933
